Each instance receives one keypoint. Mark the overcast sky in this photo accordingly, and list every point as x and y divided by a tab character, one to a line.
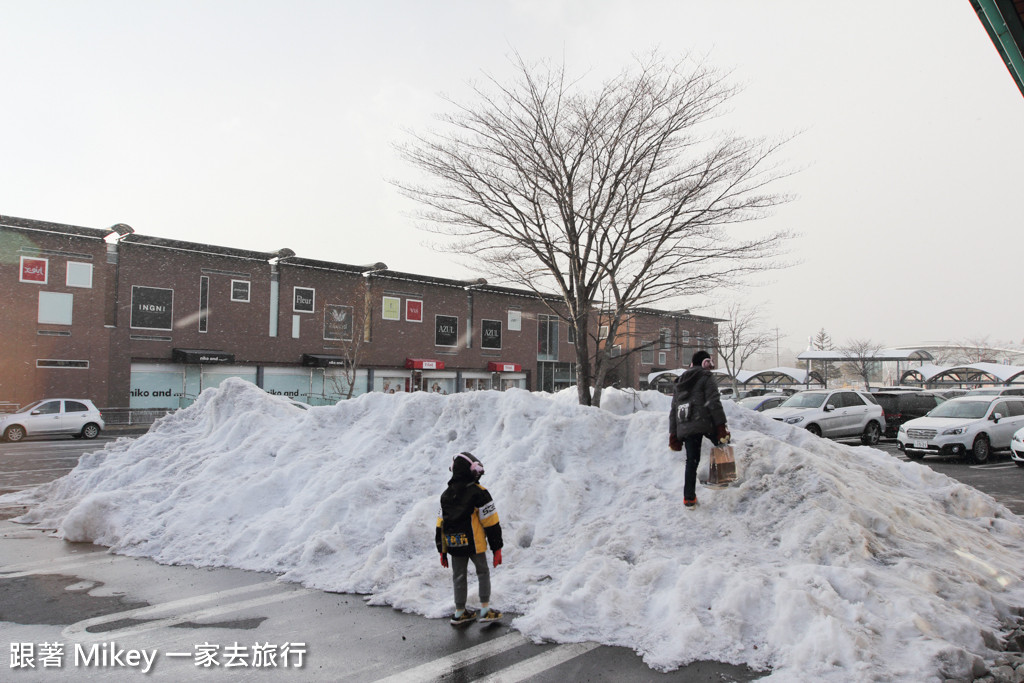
261	125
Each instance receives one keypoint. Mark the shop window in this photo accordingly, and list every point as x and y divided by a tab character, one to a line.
79	274
547	337
55	308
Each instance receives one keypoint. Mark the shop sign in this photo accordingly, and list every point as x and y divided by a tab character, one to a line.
34	270
337	322
152	308
201	356
414	310
490	332
497	366
391	307
240	290
446	330
304	299
424	364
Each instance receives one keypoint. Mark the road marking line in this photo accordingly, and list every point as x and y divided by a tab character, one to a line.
59	565
79	631
539	664
431	671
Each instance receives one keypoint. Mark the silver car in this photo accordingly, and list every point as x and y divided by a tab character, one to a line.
833	413
78	417
970	424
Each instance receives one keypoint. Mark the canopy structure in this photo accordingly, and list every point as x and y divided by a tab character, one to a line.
975	373
897	355
781	376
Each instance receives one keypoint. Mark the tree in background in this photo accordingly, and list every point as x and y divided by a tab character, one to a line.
822	341
864	361
611	197
739	338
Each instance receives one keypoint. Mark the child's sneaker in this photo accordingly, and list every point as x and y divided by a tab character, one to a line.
490	615
467	617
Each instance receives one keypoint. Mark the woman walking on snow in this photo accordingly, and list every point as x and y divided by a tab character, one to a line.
696	412
466	524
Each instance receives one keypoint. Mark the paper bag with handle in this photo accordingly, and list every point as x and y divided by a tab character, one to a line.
723	466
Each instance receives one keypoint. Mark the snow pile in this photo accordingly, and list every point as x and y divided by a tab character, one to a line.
825	562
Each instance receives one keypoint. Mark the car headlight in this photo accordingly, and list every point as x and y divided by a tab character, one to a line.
794	420
953	431
903	429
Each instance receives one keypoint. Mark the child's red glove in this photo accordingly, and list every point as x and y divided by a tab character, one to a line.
444	560
723	434
497	557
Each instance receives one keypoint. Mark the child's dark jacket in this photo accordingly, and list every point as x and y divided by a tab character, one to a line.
468	520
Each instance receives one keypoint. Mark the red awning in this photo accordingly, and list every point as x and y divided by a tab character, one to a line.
424	364
504	367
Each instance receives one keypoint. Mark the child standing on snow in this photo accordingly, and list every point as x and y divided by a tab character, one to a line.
466	524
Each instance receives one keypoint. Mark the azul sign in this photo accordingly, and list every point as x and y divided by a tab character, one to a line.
152	308
446	330
490	333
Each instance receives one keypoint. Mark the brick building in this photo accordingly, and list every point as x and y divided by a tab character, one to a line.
132	321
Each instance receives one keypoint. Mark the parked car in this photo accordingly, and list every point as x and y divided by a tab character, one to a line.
975	425
950	393
996	391
836	414
78	417
1017	447
901	406
762	402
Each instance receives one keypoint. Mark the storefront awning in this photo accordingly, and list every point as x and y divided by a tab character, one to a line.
201	356
424	364
319	360
497	366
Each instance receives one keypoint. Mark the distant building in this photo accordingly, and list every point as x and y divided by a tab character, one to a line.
139	322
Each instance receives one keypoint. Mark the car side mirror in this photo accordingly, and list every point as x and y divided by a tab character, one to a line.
35	412
829	408
996	417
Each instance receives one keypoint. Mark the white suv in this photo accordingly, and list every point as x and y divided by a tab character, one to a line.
835	413
969	424
78	417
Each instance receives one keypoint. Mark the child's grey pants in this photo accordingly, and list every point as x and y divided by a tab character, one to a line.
460	566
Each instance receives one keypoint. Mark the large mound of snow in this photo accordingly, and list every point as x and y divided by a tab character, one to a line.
825	561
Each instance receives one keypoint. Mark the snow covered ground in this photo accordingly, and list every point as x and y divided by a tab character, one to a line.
825	561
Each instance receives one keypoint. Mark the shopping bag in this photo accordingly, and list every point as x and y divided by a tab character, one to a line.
723	466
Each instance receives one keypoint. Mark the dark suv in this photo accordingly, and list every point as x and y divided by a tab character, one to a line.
900	406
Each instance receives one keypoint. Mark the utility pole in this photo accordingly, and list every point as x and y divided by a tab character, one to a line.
777	361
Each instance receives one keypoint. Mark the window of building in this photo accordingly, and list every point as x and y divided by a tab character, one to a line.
616	350
79	274
547	337
662	358
204	303
665	338
515	320
65	365
55	308
647	355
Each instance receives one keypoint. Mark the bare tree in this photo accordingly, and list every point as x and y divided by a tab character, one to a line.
864	359
739	338
610	198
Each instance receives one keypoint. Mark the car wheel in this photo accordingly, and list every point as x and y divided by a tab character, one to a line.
14	433
814	429
980	450
1019	463
91	431
872	433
